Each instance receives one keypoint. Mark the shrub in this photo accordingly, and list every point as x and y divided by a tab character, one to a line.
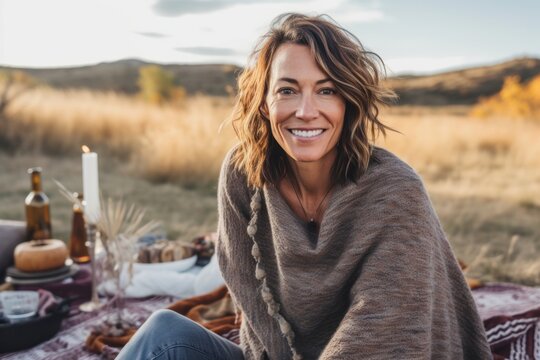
514	101
157	85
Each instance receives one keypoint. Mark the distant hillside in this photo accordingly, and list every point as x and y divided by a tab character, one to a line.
461	87
122	76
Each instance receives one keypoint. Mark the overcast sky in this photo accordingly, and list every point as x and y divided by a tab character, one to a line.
411	36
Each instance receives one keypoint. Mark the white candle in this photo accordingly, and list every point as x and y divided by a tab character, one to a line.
91	186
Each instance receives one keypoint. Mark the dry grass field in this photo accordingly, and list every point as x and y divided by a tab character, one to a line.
484	180
185	213
482	175
160	142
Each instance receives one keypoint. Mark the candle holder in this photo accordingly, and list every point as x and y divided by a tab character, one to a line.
92	237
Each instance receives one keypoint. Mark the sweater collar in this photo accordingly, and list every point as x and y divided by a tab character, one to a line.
285	218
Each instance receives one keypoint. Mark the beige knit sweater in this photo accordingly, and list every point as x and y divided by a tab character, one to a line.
379	282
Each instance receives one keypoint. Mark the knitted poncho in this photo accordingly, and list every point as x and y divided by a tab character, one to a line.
379	282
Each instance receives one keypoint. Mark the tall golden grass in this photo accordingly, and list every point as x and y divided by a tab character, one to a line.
163	143
461	156
507	265
485	179
182	144
496	162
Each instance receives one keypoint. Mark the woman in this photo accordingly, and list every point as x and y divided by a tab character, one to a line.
329	246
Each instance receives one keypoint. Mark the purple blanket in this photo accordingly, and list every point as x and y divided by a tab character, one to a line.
68	343
511	315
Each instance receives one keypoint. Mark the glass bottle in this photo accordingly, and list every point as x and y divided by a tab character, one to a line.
78	251
38	215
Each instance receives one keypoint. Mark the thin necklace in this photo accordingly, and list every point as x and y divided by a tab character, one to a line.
312	224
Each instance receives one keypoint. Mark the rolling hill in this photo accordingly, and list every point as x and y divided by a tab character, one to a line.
460	87
121	76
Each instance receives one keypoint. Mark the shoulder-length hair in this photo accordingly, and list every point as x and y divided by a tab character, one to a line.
356	75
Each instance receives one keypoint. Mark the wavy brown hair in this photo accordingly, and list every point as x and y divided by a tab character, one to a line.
356	74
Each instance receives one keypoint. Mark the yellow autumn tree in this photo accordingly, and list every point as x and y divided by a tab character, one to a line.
514	101
157	85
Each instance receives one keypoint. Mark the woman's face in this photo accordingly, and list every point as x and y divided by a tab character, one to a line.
306	113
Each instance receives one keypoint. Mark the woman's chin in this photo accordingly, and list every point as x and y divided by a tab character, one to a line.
305	156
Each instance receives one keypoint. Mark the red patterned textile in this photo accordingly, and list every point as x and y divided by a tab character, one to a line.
511	315
69	342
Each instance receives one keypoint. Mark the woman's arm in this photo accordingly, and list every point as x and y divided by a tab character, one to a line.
233	250
409	299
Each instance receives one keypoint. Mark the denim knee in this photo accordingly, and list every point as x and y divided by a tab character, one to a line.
169	335
180	337
167	321
164	318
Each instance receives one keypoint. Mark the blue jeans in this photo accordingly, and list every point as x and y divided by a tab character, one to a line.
169	335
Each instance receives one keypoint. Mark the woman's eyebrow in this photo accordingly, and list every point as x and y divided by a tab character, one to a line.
294	81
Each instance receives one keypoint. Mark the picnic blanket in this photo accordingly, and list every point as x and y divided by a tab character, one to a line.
510	312
68	344
511	315
214	311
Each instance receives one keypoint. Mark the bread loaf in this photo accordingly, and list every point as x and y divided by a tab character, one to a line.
43	255
155	252
167	253
182	252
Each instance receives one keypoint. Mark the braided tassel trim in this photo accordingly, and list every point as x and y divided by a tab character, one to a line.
260	274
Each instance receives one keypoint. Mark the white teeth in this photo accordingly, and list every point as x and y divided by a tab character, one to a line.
306	133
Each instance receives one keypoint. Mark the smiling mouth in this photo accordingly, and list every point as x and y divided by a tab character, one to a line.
306	133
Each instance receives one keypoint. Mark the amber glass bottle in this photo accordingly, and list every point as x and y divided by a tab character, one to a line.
38	214
78	251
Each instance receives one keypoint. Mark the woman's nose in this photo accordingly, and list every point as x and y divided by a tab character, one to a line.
307	108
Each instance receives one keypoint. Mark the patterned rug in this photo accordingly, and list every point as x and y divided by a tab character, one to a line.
511	315
68	343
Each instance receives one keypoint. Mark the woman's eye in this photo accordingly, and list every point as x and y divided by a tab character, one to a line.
285	91
328	91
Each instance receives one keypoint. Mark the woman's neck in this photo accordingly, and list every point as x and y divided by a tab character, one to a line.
313	179
306	189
